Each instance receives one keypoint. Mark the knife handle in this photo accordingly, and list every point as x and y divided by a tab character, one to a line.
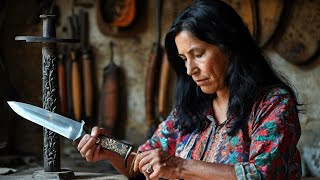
62	88
87	80
163	88
119	147
76	87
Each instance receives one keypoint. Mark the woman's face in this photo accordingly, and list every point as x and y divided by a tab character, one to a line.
205	63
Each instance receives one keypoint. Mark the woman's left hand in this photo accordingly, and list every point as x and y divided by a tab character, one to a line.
158	163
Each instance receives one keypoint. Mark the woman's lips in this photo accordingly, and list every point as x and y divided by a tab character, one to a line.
201	82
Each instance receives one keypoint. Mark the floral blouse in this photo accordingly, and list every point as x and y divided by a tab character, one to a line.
264	149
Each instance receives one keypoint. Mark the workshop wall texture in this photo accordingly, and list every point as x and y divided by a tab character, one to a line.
131	53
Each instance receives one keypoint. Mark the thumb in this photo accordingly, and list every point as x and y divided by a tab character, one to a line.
95	132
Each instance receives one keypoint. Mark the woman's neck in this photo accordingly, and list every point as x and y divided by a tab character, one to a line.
220	105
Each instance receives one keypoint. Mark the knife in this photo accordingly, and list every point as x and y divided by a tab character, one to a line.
68	128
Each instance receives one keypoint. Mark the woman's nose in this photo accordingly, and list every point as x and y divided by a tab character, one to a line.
191	67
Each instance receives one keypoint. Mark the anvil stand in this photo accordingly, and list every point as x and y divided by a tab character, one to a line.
51	144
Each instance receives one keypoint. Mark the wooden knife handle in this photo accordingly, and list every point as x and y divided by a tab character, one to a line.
76	90
87	80
152	83
68	64
62	89
119	147
163	87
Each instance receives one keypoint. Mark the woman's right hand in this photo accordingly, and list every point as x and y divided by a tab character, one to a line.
89	149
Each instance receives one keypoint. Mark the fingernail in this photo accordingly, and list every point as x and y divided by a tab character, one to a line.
92	133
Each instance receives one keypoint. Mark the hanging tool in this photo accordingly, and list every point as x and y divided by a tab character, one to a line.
166	78
76	76
118	17
152	76
86	67
76	86
63	103
110	95
119	13
125	11
163	89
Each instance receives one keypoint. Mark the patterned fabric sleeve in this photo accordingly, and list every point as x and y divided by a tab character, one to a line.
274	135
164	137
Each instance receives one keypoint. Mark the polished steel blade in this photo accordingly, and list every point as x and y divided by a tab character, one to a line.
62	125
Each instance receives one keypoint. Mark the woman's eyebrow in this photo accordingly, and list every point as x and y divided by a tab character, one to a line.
190	50
194	48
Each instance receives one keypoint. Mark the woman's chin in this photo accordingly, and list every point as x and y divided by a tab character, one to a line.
208	90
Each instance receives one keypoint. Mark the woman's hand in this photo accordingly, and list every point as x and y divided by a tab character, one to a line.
88	148
158	163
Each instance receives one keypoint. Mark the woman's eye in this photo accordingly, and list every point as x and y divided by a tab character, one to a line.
198	55
183	58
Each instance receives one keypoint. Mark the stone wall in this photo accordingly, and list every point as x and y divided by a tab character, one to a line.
306	81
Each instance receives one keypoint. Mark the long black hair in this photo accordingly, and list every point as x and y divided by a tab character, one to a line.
249	75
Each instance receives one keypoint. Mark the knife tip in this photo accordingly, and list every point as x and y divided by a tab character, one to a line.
10	103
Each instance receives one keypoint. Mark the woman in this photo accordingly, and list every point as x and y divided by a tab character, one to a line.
234	117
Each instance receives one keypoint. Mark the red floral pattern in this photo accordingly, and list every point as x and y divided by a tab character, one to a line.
264	148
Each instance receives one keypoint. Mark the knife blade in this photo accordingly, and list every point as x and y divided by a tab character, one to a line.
66	127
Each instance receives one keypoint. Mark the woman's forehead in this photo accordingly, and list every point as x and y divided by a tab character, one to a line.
187	42
186	34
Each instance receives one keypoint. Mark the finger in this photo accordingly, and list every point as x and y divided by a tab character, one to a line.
143	169
156	172
83	141
154	161
88	145
96	152
153	176
95	131
145	161
152	158
139	157
89	153
146	175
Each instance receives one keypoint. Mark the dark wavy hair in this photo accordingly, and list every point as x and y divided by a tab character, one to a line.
249	76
